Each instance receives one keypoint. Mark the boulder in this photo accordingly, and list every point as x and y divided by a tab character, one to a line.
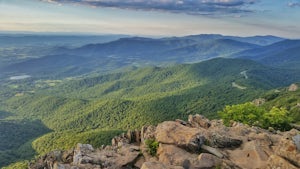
259	101
139	161
181	122
47	161
172	155
80	154
199	121
173	133
249	152
67	156
287	148
134	136
121	139
147	132
63	166
159	165
223	141
293	87
296	140
127	155
209	160
277	162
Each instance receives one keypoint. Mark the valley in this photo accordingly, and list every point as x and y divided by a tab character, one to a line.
93	92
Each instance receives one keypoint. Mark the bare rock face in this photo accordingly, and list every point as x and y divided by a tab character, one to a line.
173	133
199	121
196	144
247	154
130	137
48	160
172	155
259	101
287	147
120	140
296	140
209	161
159	165
224	141
293	87
80	154
276	162
147	132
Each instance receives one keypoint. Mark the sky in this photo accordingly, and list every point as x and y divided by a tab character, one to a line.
153	17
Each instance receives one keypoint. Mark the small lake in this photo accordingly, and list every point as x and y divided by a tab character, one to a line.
19	77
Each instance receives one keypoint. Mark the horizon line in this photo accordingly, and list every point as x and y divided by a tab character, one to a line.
130	35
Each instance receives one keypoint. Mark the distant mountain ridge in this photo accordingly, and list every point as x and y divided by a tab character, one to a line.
136	51
257	40
284	54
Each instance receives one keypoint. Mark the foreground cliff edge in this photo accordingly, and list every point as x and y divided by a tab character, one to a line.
196	144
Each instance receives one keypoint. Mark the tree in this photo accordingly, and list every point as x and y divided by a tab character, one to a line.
277	118
250	114
246	113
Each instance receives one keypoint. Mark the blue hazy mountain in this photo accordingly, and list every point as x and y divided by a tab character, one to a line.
21	40
284	54
134	51
258	40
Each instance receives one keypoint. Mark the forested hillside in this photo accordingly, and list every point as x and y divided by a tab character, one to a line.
85	109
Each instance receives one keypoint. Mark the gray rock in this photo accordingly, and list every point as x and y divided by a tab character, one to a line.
199	121
224	142
296	140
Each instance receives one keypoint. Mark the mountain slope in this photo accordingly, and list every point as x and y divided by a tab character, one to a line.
126	52
207	50
284	54
89	106
256	40
148	93
288	97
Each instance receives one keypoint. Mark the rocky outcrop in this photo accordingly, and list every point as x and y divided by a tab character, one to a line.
198	121
159	165
170	132
196	144
293	87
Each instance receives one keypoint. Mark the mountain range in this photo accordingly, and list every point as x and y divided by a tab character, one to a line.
139	51
81	94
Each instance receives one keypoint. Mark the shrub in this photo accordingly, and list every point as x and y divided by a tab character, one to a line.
152	146
246	113
277	118
250	114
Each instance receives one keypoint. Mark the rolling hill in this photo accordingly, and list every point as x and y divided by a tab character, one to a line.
124	52
284	54
100	105
162	80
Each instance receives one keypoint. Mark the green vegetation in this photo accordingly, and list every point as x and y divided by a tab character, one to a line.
277	118
68	139
246	113
250	114
152	146
93	109
18	165
16	137
282	98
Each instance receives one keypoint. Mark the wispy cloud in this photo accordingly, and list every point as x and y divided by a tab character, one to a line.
194	7
294	4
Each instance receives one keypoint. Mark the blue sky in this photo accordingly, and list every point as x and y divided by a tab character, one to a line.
153	17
